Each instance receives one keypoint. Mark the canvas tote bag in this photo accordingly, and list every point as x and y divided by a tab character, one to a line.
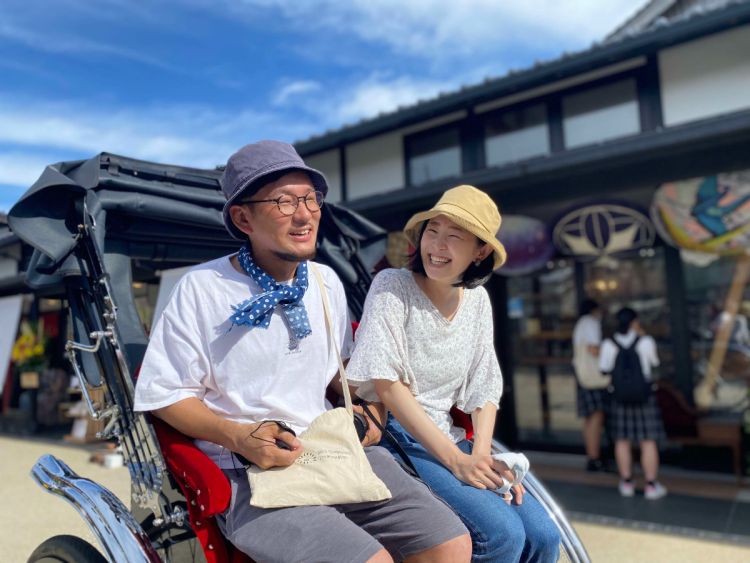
333	468
586	367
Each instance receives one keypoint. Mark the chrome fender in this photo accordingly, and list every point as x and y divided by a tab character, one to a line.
118	533
571	543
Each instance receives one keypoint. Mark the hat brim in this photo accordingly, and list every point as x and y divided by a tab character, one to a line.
254	183
413	226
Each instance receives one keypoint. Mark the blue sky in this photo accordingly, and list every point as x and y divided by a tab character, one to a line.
190	81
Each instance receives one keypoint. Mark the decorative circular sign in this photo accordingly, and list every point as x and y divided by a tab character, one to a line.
601	229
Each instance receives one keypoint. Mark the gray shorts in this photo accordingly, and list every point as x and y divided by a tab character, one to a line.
412	521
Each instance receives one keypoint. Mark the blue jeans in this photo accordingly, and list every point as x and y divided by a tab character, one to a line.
499	532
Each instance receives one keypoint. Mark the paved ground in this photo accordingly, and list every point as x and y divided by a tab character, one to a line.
28	515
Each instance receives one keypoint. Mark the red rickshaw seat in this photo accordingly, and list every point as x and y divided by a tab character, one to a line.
206	490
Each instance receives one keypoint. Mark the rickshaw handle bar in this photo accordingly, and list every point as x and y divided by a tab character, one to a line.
118	533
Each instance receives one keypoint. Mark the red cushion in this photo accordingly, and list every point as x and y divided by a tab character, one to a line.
200	473
463	420
206	489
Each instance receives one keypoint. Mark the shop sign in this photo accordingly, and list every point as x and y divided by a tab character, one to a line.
602	229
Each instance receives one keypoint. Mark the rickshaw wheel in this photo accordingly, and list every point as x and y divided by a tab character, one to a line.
66	549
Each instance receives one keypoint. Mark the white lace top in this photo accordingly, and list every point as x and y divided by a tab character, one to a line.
403	336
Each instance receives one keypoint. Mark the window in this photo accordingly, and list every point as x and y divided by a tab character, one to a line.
516	135
433	155
601	113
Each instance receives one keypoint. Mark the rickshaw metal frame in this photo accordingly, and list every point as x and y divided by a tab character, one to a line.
94	268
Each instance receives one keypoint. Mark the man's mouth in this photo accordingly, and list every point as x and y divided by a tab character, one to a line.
301	233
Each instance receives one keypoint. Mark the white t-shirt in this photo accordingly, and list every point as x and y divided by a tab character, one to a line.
404	337
646	350
241	374
588	332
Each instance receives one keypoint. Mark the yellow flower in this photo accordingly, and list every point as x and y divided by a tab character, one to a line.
28	349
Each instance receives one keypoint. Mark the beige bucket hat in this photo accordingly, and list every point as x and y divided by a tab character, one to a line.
470	209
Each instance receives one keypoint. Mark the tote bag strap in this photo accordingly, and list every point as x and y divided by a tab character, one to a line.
331	336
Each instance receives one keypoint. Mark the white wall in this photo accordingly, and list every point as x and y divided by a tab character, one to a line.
329	164
706	77
375	165
10	312
8	267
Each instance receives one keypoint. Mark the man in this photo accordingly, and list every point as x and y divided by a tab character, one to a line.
220	362
592	395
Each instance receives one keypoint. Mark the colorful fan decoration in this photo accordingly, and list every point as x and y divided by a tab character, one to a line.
710	214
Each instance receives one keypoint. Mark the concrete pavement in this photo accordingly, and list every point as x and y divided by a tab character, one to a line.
28	515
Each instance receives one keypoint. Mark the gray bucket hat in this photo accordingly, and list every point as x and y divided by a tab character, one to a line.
251	167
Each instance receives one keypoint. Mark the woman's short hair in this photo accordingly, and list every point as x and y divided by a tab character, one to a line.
587	307
473	276
624	317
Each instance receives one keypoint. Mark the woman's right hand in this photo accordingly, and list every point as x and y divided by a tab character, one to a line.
479	471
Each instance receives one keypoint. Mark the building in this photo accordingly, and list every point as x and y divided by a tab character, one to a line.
663	98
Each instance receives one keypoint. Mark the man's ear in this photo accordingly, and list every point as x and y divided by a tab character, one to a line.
242	218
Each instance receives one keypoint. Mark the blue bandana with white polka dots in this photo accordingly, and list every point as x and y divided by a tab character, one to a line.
257	311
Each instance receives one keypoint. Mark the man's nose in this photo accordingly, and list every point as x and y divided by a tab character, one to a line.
302	213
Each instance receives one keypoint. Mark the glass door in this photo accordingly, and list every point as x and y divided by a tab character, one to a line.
543	309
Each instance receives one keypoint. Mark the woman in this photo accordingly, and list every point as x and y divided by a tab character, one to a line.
424	344
634	422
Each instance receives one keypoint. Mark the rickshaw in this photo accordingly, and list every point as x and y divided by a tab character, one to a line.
97	226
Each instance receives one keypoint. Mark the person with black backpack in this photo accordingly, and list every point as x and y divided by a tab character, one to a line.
629	357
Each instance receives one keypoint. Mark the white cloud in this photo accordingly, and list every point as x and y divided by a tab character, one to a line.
56	43
294	89
21	169
423	26
40	133
378	94
187	135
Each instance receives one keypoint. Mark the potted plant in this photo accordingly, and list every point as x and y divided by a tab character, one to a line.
29	355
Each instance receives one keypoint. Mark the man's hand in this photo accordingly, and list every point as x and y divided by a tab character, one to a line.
374	435
267	445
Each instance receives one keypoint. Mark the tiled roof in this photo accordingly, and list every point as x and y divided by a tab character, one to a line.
444	102
663	13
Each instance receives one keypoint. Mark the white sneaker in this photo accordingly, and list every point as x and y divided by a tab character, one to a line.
626	488
655	491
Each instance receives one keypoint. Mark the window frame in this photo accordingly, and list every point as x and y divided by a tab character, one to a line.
472	129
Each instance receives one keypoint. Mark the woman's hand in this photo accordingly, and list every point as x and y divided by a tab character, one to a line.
518	490
480	471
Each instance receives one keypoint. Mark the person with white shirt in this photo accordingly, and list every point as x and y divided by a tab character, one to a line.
240	361
635	422
592	398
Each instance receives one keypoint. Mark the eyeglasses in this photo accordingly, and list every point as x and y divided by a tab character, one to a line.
288	204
